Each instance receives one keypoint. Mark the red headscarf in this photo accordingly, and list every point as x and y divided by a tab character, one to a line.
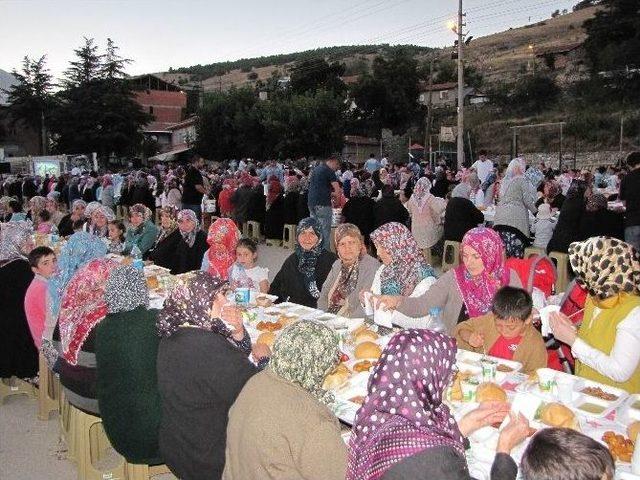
275	188
223	239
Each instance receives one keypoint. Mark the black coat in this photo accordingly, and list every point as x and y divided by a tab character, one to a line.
460	216
290	208
359	211
257	205
602	223
18	354
274	219
389	209
568	228
174	253
289	282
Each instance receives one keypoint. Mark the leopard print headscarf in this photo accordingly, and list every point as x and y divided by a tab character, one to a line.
606	266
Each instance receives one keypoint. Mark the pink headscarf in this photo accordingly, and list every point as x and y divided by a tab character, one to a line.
403	413
223	239
477	292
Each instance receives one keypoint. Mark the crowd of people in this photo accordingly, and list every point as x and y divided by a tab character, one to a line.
215	405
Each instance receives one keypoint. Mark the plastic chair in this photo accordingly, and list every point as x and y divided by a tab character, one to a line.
529	251
134	471
450	255
562	268
289	236
245	230
15	386
48	391
253	230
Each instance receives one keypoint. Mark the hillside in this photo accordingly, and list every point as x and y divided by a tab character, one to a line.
499	57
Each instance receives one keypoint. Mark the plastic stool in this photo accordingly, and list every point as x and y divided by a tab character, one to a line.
253	230
271	242
15	386
48	391
134	471
562	268
245	230
450	255
289	236
530	251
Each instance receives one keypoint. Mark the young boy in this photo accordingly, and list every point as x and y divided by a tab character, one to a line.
507	332
43	264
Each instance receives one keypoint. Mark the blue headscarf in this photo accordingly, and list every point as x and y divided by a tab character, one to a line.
307	259
81	248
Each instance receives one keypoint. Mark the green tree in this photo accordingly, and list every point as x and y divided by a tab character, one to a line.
312	75
31	98
86	67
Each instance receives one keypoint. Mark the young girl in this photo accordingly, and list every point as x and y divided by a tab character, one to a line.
44	224
244	272
115	238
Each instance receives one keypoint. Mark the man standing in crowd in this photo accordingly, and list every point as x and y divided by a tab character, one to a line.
322	185
372	164
193	188
630	195
483	166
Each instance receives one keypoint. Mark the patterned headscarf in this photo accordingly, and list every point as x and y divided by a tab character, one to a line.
165	232
13	236
478	292
223	239
275	188
83	306
356	189
408	267
37	204
79	249
553	189
606	266
141	209
422	193
307	259
190	237
596	202
126	289
291	184
348	278
90	208
304	353
403	413
190	303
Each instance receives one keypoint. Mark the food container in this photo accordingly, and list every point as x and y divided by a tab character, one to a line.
489	369
546	377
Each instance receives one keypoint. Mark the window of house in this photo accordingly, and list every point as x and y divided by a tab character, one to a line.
444	95
151	110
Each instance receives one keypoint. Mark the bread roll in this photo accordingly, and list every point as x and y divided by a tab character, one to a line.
368	350
336	378
557	415
490	392
266	338
366	336
632	430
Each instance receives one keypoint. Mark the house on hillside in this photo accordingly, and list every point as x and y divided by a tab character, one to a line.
357	149
444	94
176	143
558	57
167	102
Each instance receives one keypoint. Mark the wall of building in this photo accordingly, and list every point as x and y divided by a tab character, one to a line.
167	107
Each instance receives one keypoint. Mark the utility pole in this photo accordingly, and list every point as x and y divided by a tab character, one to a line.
460	87
427	137
43	133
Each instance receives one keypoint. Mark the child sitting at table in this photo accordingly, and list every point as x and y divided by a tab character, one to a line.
43	264
543	226
115	237
44	222
244	272
507	332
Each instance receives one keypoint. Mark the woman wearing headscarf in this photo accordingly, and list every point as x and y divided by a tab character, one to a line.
467	290
241	198
599	221
224	198
389	208
404	270
426	214
223	239
290	200
65	227
351	273
99	221
551	194
36	205
573	209
280	426
256	208
441	183
274	217
163	251
606	344
53	207
142	233
192	244
82	307
359	209
74	191
18	355
126	342
202	366
404	429
304	272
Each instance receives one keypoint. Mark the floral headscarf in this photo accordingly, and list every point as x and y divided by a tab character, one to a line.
275	188
422	193
190	237
307	259
126	289
79	249
223	239
596	202
478	292
90	208
348	278
356	189
189	303
13	236
165	232
291	184
606	266
403	413
83	306
141	209
304	353
408	267
37	204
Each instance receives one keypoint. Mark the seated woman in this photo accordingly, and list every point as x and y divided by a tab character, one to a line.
99	221
460	216
53	207
426	211
274	216
304	272
286	404
568	227
35	206
18	354
389	209
467	290
202	366
65	227
245	272
351	273
606	345
192	244
82	307
223	238
126	349
162	252
404	271
404	430
142	233
551	194
358	210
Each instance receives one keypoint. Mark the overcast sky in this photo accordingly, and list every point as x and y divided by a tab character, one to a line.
158	34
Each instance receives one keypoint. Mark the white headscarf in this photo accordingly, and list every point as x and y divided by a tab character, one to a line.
516	168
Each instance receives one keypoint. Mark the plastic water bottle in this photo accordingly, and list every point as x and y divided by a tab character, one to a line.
54	235
435	320
136	254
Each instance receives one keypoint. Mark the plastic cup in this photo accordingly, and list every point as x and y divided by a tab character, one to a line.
546	378
489	369
468	390
368	304
564	386
243	295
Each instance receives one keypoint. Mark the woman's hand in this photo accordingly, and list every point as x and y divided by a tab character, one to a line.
513	434
260	351
386	302
232	315
562	328
486	414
